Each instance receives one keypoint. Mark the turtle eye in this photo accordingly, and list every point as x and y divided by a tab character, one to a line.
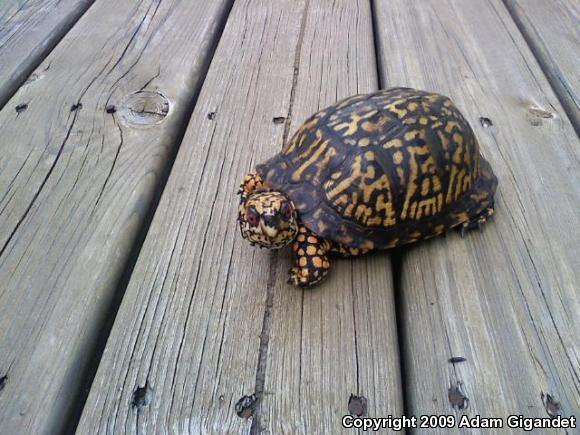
252	217
286	211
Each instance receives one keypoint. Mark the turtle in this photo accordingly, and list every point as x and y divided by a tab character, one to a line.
371	172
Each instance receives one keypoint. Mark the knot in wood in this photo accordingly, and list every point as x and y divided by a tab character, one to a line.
536	115
144	109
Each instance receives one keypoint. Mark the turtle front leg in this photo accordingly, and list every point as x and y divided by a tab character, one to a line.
250	184
311	264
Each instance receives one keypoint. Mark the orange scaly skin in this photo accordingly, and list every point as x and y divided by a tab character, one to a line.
311	251
311	264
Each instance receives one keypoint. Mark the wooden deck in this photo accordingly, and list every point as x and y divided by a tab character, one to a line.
130	304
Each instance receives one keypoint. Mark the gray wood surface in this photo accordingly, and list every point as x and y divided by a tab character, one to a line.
552	29
339	338
29	29
190	323
79	167
216	319
505	298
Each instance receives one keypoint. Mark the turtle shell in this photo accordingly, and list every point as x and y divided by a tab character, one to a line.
379	170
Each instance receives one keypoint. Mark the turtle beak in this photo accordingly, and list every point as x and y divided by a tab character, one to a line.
269	232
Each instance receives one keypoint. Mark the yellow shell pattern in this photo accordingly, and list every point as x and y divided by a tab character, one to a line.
378	170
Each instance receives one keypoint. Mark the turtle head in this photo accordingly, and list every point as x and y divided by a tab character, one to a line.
268	219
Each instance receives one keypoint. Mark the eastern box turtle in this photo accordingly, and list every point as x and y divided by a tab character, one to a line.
370	172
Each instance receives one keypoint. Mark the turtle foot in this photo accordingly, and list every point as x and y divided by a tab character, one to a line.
476	222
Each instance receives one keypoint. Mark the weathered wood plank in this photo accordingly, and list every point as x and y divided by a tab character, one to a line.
190	322
29	30
339	338
552	29
505	298
79	168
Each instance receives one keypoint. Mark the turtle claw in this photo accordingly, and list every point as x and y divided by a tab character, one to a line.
297	278
303	278
294	276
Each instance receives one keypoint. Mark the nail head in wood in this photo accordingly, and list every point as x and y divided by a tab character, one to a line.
551	406
142	396
456	397
357	405
245	406
3	380
485	122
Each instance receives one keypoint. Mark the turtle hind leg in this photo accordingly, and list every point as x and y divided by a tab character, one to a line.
477	221
480	202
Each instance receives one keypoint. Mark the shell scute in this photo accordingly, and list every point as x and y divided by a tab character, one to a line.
383	169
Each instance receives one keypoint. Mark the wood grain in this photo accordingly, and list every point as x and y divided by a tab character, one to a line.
29	30
79	168
505	298
201	383
189	325
339	338
552	29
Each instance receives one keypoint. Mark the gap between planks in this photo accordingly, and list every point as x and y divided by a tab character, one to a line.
267	322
